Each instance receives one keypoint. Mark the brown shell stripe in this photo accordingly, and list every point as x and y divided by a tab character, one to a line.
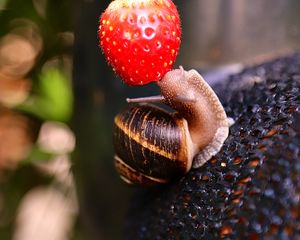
131	176
137	137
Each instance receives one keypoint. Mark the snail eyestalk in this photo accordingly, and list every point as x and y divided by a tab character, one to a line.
158	99
152	99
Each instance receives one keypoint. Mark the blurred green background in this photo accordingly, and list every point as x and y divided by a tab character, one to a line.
37	191
55	85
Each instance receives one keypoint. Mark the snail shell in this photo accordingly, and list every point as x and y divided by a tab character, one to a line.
154	146
151	140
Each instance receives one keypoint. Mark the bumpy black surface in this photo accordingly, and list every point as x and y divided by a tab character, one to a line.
251	189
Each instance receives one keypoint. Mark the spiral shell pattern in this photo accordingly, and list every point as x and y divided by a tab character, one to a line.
150	145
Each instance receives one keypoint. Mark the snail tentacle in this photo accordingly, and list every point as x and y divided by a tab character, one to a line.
151	99
159	99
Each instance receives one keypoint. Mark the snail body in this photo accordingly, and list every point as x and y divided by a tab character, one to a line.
154	146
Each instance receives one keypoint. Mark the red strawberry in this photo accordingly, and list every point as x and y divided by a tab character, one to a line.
140	38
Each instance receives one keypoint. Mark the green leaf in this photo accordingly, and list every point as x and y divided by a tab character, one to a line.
2	4
37	155
54	100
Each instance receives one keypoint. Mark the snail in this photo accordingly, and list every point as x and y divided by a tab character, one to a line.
154	146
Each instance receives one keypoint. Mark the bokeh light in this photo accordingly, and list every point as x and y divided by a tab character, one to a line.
37	190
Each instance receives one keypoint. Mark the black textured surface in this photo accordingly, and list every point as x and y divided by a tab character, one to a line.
251	189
